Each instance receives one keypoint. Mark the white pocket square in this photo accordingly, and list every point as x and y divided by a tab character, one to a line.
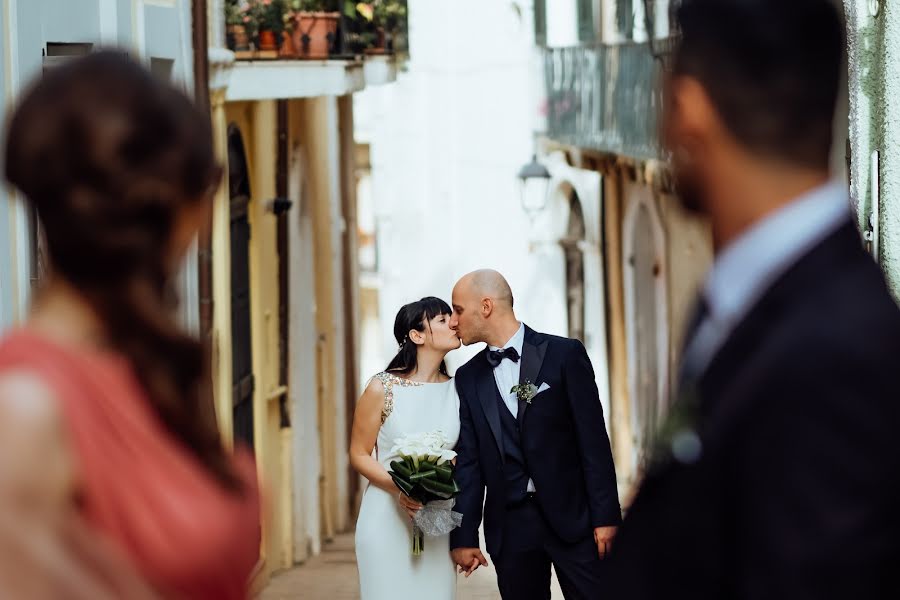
544	387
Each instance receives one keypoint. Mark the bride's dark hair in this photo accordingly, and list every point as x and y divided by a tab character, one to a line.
415	315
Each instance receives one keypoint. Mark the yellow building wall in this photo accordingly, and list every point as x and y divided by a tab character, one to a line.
221	279
309	127
258	123
310	124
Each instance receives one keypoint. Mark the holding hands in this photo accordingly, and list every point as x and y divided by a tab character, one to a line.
468	559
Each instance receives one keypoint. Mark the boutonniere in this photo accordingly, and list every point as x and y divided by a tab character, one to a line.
678	437
524	391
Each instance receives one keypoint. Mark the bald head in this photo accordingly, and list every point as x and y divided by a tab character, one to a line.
487	283
483	308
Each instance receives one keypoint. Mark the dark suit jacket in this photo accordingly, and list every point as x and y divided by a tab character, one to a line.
563	439
796	491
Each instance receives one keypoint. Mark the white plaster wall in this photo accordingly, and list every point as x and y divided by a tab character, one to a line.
338	225
304	385
159	28
874	81
547	229
447	140
6	264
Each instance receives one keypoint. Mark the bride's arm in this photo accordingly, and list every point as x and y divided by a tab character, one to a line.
366	424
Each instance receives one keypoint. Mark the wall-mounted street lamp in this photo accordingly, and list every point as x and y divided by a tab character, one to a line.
534	185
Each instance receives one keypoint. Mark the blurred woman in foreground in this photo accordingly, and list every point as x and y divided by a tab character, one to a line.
106	425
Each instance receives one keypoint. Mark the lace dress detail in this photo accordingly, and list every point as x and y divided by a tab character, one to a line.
388	380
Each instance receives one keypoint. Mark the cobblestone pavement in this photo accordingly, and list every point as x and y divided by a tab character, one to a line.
332	576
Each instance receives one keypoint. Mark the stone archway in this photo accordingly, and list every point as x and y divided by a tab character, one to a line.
573	243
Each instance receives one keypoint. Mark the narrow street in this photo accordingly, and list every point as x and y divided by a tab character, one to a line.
332	576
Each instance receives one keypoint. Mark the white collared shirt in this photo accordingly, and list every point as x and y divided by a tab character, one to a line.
747	267
506	374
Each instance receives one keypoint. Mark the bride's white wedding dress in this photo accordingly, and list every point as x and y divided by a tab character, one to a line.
387	569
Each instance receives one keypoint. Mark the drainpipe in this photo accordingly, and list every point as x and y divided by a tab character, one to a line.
200	40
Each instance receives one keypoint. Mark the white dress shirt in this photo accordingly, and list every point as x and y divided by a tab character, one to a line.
507	372
507	375
747	267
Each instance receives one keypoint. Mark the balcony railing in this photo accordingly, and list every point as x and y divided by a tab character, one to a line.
606	97
258	30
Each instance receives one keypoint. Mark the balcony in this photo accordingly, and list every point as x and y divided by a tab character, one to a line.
606	97
317	29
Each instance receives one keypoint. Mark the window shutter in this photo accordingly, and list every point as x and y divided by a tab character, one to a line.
625	18
540	22
587	32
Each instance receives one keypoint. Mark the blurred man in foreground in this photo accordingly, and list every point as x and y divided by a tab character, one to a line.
777	474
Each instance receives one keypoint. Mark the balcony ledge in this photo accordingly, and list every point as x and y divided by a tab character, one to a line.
380	69
286	79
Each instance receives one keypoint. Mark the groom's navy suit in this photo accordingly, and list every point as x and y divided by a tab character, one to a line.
559	442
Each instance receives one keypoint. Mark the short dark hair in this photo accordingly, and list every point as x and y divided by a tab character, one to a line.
771	68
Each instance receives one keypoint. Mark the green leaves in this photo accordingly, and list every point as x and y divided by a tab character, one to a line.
422	475
443	490
400	468
423	479
444	472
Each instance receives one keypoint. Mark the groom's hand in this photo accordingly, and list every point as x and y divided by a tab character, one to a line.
468	559
604	538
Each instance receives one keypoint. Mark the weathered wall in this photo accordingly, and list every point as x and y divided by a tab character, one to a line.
874	85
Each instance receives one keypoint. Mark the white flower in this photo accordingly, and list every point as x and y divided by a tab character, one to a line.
446	455
424	445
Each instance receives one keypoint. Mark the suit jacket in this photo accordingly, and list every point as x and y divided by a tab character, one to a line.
796	488
564	443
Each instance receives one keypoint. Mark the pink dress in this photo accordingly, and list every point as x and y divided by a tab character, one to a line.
139	485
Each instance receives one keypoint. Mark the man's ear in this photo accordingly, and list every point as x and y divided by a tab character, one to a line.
487	307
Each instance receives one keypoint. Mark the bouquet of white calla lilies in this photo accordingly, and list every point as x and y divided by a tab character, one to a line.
425	473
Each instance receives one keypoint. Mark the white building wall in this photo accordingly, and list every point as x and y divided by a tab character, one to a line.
874	80
447	140
147	28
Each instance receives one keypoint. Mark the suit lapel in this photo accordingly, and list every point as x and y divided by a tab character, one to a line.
533	351
486	389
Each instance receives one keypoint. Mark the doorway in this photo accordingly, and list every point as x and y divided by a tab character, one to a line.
242	350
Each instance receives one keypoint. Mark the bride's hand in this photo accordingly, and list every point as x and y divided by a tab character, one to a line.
408	504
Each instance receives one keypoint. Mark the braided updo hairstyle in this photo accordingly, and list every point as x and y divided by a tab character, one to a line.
109	156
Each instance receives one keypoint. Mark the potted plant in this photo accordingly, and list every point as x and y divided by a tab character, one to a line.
383	21
390	16
270	18
238	20
312	27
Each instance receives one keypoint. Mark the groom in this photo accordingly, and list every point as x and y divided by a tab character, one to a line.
541	451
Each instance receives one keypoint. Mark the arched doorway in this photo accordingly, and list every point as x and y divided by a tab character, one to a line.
574	257
242	354
646	320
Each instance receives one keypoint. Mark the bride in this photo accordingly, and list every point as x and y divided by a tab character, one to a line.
413	395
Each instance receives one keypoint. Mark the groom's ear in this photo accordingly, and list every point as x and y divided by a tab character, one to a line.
487	307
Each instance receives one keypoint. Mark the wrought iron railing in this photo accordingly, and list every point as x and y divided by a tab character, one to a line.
606	97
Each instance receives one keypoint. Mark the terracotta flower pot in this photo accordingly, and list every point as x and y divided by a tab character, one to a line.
238	40
267	40
313	34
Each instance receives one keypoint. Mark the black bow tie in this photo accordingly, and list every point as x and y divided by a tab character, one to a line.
495	357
